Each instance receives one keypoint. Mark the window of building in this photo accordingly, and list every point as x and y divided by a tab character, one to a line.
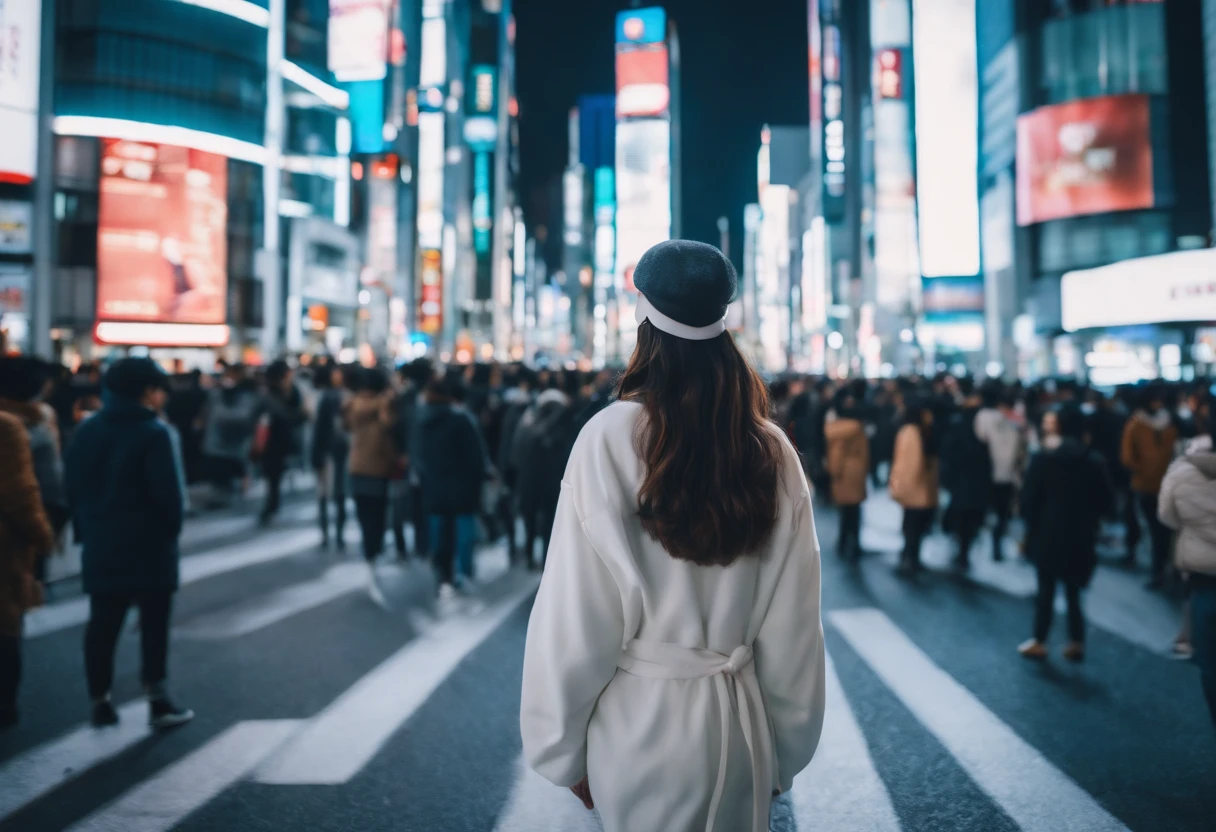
1107	51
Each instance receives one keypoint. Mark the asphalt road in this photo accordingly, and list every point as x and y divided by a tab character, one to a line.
318	710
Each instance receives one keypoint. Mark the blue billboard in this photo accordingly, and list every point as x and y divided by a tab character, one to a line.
642	26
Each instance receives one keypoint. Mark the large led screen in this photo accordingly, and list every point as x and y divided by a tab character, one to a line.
358	39
642	83
20	24
947	128
162	246
1084	157
643	191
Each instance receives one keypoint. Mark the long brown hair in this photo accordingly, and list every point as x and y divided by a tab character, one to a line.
712	462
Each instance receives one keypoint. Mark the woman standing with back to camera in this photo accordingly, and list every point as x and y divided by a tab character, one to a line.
674	671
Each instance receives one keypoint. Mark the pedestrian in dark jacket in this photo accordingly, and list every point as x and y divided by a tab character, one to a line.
967	475
517	400
127	505
1063	499
25	536
542	448
451	460
330	448
229	420
283	417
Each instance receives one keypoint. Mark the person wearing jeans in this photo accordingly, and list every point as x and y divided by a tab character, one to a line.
451	462
1188	505
127	506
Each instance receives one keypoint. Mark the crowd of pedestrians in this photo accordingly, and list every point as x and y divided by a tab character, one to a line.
1075	464
436	459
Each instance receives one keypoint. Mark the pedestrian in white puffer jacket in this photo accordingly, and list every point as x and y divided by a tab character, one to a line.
1188	504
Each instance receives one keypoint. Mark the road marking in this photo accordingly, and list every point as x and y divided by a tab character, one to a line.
161	802
263	611
66	614
46	767
1033	792
201	531
536	805
337	743
841	791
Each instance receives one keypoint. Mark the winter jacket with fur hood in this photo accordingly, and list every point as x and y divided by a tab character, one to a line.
1188	504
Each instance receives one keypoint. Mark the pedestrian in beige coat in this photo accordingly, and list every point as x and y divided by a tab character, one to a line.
848	464
914	480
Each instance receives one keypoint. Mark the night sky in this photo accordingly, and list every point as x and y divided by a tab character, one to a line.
744	64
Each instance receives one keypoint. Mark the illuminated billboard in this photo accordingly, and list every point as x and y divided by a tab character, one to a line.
1166	288
953	299
1084	157
642	26
947	130
430	179
162	236
430	307
643	192
642	82
358	39
20	27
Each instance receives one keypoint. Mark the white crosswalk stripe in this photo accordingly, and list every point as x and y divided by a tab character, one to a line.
1034	793
840	791
29	776
161	802
343	738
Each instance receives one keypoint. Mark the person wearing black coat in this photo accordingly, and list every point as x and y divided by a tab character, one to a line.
284	415
127	504
450	457
330	448
543	444
1064	497
967	475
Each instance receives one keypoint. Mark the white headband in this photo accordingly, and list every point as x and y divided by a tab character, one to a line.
661	322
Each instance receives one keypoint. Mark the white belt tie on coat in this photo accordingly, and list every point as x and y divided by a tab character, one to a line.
736	685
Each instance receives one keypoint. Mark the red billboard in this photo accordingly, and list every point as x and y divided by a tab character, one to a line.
642	86
1090	156
162	245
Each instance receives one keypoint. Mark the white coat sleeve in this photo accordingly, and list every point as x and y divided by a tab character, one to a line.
789	652
574	642
1167	505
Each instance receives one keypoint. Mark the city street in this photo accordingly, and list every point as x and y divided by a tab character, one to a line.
318	710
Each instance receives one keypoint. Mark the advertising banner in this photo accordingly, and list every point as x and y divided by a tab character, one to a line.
16	221
1084	157
162	237
642	26
642	83
1167	288
358	39
953	299
947	130
20	39
643	192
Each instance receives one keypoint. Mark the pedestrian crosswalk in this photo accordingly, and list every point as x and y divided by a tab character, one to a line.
845	788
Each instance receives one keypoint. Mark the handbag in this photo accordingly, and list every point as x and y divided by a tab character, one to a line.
261	438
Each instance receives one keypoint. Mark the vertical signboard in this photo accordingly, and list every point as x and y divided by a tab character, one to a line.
831	64
947	130
20	39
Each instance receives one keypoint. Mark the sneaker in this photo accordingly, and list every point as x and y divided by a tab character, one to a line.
1075	651
162	713
104	713
374	592
1182	650
1033	649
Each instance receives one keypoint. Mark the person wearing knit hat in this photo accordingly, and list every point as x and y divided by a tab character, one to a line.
125	488
684	532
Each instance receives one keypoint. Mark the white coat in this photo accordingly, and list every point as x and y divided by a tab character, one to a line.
671	685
